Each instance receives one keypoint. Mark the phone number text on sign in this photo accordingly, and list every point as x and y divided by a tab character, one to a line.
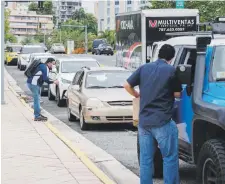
171	29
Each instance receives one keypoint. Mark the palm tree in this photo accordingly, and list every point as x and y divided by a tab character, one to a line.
79	15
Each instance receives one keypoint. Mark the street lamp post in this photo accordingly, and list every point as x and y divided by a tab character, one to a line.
86	36
3	50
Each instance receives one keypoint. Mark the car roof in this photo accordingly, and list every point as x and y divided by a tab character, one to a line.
40	53
191	40
108	68
44	56
64	57
32	46
14	45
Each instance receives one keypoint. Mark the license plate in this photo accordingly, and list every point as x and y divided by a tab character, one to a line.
45	88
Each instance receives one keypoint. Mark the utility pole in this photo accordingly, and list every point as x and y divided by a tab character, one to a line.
3	51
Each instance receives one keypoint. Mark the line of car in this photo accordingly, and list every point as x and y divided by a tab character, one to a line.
92	93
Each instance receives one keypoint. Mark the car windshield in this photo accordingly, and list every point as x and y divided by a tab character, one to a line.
29	50
16	49
218	67
74	66
106	79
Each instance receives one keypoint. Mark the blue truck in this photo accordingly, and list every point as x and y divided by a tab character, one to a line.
200	112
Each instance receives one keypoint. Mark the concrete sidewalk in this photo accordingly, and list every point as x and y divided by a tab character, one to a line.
31	153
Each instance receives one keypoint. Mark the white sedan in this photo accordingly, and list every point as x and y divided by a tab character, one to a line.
97	96
64	71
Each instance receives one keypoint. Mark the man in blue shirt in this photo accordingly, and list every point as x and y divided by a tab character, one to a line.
35	82
158	89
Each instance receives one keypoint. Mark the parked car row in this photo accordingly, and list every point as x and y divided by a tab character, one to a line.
93	94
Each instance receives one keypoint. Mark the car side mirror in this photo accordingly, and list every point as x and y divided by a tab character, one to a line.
76	87
184	73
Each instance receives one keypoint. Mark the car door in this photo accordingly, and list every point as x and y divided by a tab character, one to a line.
183	105
75	93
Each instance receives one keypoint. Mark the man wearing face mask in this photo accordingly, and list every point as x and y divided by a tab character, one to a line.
35	82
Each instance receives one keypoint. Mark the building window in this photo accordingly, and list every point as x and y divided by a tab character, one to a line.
108	2
117	2
143	2
129	2
108	11
117	10
129	9
108	20
108	28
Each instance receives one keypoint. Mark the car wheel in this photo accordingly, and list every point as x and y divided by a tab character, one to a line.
71	117
211	162
158	161
59	101
21	67
50	95
42	92
83	124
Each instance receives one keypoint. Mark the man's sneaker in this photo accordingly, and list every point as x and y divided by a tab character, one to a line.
43	116
40	118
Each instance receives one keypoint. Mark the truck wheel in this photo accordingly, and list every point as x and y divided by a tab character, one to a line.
158	161
211	162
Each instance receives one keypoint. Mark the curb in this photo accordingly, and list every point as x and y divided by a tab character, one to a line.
86	161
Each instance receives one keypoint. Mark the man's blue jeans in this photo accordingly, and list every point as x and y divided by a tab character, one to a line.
36	96
167	138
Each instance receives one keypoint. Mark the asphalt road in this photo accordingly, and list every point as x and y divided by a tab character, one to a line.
119	141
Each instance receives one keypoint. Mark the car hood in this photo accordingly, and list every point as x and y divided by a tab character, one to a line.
215	93
13	53
25	55
108	94
67	76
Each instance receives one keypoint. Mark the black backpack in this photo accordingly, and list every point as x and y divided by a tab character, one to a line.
30	71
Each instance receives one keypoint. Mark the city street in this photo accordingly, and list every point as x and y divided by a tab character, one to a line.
119	141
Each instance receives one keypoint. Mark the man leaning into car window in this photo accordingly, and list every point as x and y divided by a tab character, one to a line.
158	89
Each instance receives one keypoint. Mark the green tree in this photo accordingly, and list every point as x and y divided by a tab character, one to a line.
8	36
91	23
27	40
47	8
109	35
33	7
209	10
79	15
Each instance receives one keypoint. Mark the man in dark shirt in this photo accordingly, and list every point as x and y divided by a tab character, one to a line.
158	89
